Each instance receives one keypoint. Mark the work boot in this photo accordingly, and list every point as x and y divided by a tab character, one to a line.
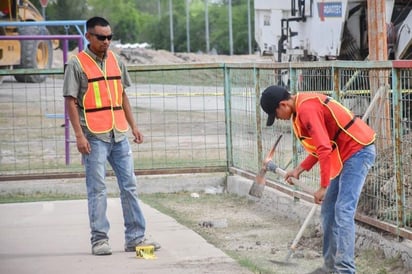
131	247
101	247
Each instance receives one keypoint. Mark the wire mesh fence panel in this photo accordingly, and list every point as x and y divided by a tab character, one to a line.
31	132
243	119
201	117
251	138
182	116
315	79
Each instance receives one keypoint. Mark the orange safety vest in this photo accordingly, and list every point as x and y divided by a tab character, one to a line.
102	102
356	128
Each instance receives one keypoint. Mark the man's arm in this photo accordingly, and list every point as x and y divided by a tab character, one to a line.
317	128
83	145
138	136
314	123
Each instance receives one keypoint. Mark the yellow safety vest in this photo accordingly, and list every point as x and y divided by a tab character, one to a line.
102	102
356	128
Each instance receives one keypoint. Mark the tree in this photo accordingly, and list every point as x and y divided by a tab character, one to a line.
135	21
240	29
122	15
66	10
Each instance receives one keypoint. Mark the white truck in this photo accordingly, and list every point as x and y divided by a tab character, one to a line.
306	30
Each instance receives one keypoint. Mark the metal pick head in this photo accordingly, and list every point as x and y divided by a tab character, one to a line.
272	151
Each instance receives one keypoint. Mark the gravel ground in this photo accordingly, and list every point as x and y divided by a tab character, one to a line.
257	236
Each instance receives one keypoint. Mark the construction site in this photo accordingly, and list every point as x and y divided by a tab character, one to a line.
205	139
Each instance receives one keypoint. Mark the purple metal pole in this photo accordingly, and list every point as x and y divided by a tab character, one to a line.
66	116
65	39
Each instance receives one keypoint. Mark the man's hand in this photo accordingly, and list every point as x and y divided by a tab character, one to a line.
83	145
295	173
319	195
138	136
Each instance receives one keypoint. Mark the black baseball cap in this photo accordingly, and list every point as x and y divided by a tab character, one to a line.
269	101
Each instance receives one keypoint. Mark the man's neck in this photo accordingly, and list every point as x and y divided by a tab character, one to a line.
99	55
293	103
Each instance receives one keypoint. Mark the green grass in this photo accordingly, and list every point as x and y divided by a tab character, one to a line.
37	197
20	197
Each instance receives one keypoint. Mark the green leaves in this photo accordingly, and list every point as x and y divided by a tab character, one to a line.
137	21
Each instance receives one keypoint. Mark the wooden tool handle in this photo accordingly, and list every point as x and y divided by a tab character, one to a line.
295	181
303	227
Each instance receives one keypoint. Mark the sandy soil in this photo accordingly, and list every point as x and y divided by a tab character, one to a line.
256	235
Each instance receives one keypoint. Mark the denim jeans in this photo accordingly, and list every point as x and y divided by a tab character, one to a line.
119	155
339	208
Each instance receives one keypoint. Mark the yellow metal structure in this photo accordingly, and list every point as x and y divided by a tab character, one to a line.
24	53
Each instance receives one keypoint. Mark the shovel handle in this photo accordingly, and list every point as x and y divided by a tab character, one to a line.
273	167
303	227
300	232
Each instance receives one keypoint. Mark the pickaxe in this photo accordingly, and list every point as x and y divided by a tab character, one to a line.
258	185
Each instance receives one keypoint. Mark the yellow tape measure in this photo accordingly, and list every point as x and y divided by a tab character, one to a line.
145	252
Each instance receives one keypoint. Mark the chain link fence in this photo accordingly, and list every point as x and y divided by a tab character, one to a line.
206	117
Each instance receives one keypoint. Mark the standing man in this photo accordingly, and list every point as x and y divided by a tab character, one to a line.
343	146
100	114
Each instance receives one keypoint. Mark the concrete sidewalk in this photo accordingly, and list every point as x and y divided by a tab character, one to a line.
53	237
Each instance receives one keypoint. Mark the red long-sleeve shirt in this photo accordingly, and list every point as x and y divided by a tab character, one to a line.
319	124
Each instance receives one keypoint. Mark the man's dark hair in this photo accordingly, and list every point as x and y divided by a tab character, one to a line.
96	21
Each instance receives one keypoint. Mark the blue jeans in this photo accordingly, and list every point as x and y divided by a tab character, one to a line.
119	155
338	211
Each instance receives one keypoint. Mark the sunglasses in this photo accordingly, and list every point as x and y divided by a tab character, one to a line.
102	37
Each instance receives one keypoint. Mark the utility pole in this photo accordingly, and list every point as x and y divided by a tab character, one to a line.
378	51
43	4
188	24
230	28
378	47
172	49
249	28
207	27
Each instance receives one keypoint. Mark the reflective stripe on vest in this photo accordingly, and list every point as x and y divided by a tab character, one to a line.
357	129
102	102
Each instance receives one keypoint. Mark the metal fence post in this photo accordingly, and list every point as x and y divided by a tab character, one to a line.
397	145
228	116
259	139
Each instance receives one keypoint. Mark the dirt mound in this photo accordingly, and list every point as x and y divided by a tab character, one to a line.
149	56
141	56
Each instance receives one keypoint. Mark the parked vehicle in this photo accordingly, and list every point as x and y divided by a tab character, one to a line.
24	53
305	30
